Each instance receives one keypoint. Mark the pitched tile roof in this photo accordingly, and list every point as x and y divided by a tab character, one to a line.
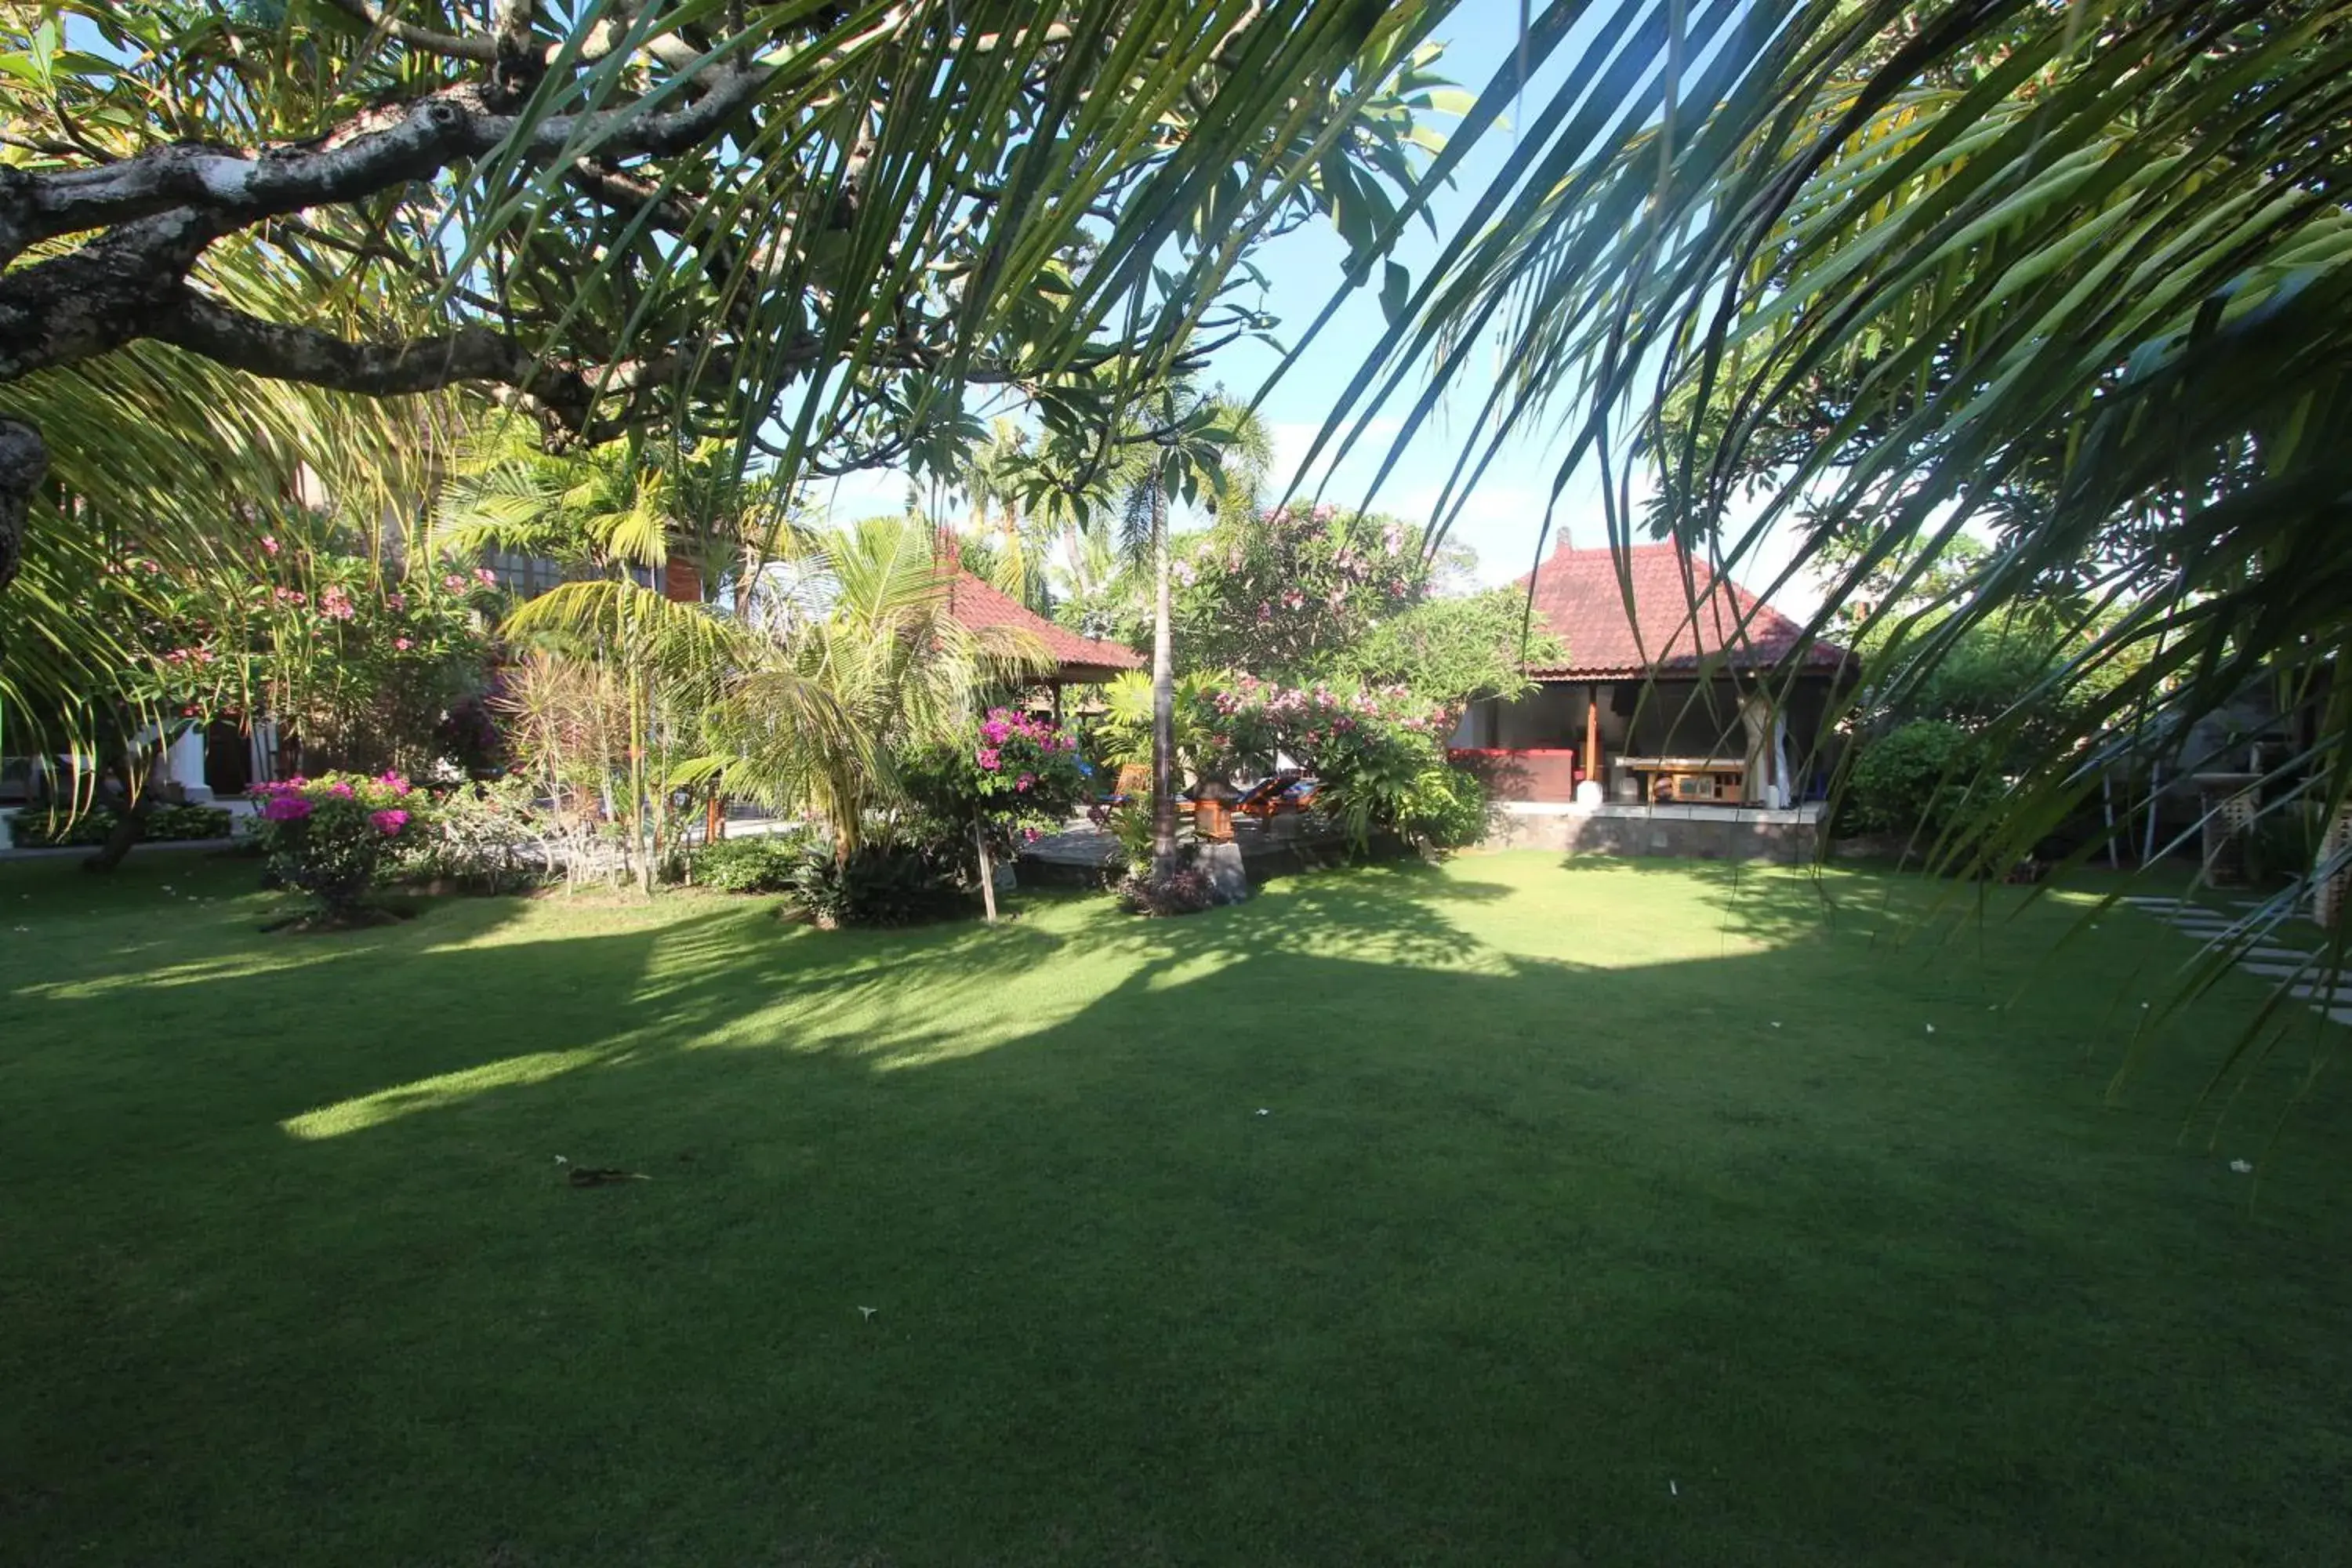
977	606
1683	617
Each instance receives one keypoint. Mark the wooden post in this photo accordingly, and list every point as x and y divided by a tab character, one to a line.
1592	738
714	820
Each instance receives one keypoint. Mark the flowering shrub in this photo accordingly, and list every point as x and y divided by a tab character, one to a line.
332	836
1282	591
1013	776
1379	751
1017	755
1008	780
310	633
1335	729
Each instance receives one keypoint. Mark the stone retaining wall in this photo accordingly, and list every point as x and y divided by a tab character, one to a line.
1681	832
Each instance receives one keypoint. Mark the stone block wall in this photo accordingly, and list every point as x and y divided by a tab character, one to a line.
1686	833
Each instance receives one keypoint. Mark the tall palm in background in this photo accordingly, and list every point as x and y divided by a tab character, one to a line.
612	518
995	481
1185	447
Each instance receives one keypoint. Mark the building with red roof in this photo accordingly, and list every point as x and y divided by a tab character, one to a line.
1077	660
1677	684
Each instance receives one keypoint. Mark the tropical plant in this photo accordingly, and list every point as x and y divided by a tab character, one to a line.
565	721
1010	778
333	837
612	519
1130	711
813	714
1129	823
881	883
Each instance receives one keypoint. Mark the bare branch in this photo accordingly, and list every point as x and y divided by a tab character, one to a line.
413	141
283	352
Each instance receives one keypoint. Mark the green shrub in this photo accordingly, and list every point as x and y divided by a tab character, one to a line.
1130	824
881	884
768	863
1913	779
164	825
490	836
183	823
335	836
1444	808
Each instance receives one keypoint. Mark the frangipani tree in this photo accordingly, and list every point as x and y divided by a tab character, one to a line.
802	229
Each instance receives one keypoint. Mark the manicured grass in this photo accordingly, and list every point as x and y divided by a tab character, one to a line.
1606	1215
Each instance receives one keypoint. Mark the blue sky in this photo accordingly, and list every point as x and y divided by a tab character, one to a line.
1506	510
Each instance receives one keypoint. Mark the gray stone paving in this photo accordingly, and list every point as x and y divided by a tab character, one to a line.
2217	931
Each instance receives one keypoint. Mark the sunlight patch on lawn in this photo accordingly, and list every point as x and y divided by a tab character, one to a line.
435	1093
199	972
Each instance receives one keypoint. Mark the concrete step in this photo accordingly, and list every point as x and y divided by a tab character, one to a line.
2268	969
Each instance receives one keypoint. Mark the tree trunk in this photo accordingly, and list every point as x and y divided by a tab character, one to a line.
987	873
130	826
1163	698
644	828
23	459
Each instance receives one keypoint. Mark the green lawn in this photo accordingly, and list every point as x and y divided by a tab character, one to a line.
1511	1214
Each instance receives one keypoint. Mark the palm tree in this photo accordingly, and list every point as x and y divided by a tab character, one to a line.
1189	446
997	481
815	712
609	515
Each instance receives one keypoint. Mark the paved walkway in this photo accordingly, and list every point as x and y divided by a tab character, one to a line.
2242	931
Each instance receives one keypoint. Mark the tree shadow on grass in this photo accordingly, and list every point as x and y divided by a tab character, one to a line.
1525	1261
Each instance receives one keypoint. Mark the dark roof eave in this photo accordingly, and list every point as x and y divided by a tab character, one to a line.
1812	665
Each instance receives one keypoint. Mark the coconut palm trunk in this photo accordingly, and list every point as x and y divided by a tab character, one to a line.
1164	697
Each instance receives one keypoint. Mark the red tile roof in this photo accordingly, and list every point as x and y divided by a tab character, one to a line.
1683	617
978	605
